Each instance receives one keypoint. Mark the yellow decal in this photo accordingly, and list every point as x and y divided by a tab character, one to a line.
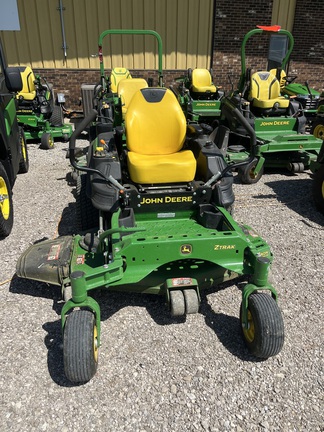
224	247
263	254
275	123
186	249
166	199
208	104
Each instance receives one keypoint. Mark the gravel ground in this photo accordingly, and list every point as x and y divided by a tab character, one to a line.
155	374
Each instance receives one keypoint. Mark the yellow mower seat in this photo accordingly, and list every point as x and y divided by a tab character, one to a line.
127	88
28	91
155	133
118	74
202	81
265	92
282	76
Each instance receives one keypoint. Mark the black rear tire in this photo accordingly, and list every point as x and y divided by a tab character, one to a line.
265	335
24	160
317	128
6	204
318	189
57	117
80	350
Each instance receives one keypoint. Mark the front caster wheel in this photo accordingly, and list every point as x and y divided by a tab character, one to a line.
47	141
80	346
247	174
264	335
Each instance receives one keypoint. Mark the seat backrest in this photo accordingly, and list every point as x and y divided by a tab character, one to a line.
155	123
127	88
264	86
281	76
118	74
28	91
202	81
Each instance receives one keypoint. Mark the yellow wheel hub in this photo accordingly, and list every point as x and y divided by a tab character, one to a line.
95	343
4	199
249	332
23	148
252	173
319	131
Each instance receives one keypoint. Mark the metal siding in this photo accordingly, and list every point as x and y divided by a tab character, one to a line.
150	45
170	34
184	25
206	34
283	13
138	42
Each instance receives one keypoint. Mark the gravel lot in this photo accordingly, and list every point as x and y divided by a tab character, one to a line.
155	374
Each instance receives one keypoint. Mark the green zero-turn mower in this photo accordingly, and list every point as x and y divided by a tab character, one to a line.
154	209
279	121
199	97
114	92
13	148
37	111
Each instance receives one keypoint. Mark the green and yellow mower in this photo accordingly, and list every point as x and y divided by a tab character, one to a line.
156	200
113	93
199	97
38	113
280	124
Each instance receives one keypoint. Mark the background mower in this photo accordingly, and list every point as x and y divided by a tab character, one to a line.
279	122
199	98
112	95
37	111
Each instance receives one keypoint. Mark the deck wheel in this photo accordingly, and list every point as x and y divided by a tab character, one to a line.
191	301
177	303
